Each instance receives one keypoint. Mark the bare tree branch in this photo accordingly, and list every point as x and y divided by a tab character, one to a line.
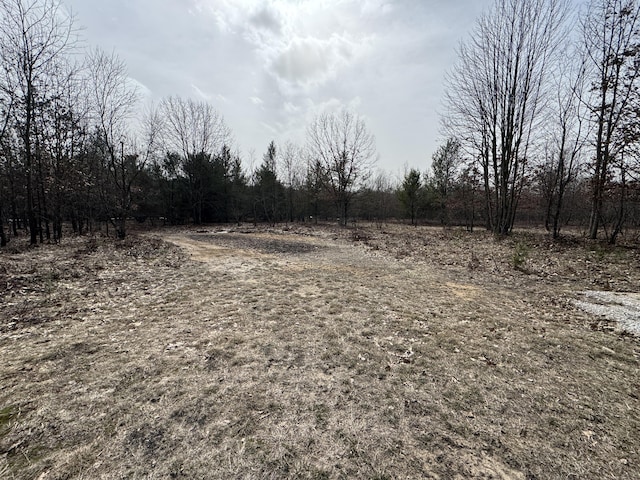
344	152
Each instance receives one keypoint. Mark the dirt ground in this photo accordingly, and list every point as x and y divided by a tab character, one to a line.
317	352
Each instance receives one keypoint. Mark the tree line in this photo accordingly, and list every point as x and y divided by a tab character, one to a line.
545	93
77	148
541	115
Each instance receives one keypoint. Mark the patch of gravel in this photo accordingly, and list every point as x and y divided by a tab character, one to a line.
623	308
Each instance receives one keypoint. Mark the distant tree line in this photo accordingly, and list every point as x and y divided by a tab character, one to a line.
452	193
542	119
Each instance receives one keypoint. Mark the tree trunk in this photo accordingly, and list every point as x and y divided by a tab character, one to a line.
121	229
31	215
344	210
3	236
596	202
621	213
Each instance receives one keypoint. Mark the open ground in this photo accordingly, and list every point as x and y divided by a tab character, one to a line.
316	352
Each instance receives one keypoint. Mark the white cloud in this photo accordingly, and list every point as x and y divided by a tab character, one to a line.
140	87
377	7
204	96
269	128
303	44
290	108
331	105
290	123
271	65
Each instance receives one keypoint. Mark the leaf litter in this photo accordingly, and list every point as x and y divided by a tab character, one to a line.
311	352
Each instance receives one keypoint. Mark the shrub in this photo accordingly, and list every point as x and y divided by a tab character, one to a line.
520	255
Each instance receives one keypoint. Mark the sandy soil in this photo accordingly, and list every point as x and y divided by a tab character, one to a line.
623	308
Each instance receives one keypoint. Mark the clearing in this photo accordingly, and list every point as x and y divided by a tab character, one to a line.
316	352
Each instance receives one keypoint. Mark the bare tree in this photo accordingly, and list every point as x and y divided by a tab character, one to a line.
344	152
196	132
470	185
495	96
312	188
12	179
61	125
292	167
385	198
568	131
7	106
192	127
113	102
34	34
612	45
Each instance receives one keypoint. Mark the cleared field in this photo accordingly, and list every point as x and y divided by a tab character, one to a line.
315	353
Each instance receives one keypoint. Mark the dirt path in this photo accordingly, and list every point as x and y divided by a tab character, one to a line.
222	249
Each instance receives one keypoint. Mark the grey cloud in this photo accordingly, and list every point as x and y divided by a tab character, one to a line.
302	60
266	18
311	60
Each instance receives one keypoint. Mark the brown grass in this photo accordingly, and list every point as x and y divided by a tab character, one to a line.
314	353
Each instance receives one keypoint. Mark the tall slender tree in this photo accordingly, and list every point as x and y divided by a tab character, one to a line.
495	96
34	34
268	188
567	135
291	168
611	38
113	103
194	132
409	193
4	128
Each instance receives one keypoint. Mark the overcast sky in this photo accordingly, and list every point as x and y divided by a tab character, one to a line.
269	66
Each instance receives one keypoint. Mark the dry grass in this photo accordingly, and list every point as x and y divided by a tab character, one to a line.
315	353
